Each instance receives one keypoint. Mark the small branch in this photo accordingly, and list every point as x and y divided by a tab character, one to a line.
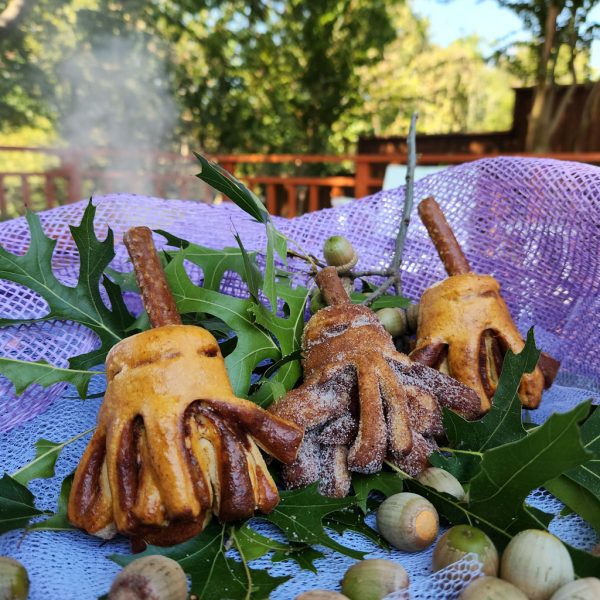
410	193
381	290
393	273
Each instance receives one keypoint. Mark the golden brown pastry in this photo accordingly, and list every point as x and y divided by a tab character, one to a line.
173	445
362	400
464	326
464	330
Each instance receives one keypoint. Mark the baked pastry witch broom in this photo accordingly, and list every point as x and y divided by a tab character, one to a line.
464	327
361	400
173	444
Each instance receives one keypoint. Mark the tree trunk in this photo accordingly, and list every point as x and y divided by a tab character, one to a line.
12	15
537	139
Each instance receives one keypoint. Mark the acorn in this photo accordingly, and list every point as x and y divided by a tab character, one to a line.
587	588
537	563
321	595
442	481
339	253
491	588
408	521
152	577
412	317
14	581
393	320
374	579
459	541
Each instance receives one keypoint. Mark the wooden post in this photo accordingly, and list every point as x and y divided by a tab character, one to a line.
363	173
3	212
26	191
49	191
292	193
74	182
271	198
313	198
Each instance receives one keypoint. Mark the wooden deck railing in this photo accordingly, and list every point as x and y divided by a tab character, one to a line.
290	192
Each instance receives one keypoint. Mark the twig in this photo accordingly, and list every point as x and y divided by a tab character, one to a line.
409	197
393	273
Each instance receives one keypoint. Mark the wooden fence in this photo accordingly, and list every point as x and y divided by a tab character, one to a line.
67	176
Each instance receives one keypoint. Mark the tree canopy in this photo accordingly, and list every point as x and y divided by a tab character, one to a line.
253	75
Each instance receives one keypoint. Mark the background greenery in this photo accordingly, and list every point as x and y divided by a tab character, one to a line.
262	75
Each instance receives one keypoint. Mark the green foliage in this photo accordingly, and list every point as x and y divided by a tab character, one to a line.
58	521
16	505
214	574
384	482
82	303
255	343
253	545
588	474
24	373
502	424
300	516
501	464
236	191
576	498
46	455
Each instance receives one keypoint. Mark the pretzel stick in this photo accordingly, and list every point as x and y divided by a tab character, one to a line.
331	287
156	295
443	237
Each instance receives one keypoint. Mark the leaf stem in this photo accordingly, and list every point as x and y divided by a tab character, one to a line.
392	466
53	450
455	451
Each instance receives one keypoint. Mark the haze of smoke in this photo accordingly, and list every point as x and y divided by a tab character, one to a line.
120	101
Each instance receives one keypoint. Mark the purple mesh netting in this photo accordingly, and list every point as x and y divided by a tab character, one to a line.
534	224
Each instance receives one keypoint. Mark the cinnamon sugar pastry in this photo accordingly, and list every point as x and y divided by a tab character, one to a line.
173	444
362	400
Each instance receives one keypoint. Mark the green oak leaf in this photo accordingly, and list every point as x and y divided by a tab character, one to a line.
577	498
59	520
276	242
252	275
502	424
385	482
81	303
23	373
353	519
238	193
304	556
254	344
461	464
214	263
16	505
233	188
260	334
46	454
588	474
300	515
508	473
287	331
254	545
215	574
